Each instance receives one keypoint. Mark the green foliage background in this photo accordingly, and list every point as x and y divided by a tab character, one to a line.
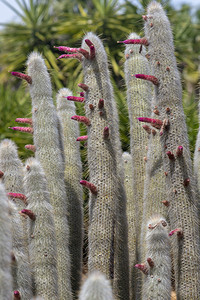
44	24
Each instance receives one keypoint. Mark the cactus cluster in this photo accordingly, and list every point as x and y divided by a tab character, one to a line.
143	211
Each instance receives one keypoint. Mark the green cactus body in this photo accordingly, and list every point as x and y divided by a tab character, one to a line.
97	287
103	155
139	103
12	167
73	172
157	283
5	247
181	187
42	246
48	152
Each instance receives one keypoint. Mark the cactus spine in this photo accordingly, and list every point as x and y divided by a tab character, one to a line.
72	175
12	167
5	247
48	152
97	287
183	198
42	232
157	283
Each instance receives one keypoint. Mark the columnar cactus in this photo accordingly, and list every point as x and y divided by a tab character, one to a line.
42	246
139	103
197	155
54	196
97	287
12	168
103	160
131	219
48	152
5	247
72	175
182	192
157	282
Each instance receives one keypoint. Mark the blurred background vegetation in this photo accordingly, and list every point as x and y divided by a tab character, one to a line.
43	24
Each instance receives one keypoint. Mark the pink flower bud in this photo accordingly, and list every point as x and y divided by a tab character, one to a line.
142	267
22	76
18	196
178	231
106	132
29	213
90	186
141	41
22	129
83	86
151	78
82	138
81	119
76	99
24	120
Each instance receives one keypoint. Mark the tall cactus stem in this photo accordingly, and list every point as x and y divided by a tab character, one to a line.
140	91
49	151
157	283
12	167
183	209
72	176
5	247
43	252
103	160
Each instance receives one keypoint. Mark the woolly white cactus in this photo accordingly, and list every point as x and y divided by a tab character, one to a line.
157	282
42	246
5	247
96	287
48	152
